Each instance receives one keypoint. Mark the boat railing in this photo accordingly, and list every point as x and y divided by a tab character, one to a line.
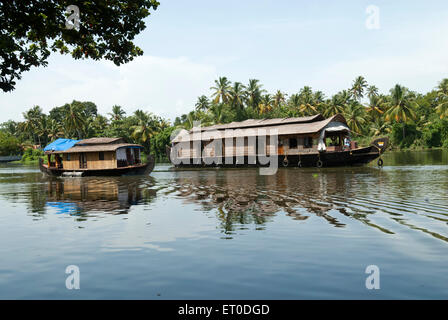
334	148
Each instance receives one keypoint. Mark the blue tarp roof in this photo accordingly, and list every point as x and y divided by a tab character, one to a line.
64	207
60	145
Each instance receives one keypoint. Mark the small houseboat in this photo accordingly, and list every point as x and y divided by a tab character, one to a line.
296	142
94	157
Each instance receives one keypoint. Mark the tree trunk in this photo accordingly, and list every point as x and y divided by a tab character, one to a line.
404	133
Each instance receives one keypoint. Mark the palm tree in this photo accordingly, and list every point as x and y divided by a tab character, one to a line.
75	119
253	93
345	96
31	123
334	106
265	105
442	98
307	106
378	128
372	91
117	113
203	104
221	90
319	97
355	116
319	101
41	128
10	127
144	129
99	124
294	100
401	108
54	129
294	104
237	96
359	84
27	126
190	119
217	113
443	86
376	106
163	124
279	98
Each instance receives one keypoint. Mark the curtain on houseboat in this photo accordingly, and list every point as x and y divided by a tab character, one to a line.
121	154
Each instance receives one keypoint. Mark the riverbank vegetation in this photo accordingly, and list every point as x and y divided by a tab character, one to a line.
412	120
81	120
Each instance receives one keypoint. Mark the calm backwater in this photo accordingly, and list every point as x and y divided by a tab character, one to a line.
229	233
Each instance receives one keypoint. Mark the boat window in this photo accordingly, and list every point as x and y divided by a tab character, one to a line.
101	155
82	161
308	142
292	143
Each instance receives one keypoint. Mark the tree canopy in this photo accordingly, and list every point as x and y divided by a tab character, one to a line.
412	120
31	30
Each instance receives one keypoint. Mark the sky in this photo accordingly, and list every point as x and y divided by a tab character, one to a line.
324	44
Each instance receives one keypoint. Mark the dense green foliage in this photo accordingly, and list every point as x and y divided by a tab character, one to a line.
80	120
160	141
9	144
410	119
32	155
30	29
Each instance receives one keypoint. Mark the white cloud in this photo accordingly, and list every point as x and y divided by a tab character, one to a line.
419	68
165	86
417	71
414	56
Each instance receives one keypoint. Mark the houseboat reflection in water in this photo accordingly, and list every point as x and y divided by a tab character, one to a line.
243	197
107	195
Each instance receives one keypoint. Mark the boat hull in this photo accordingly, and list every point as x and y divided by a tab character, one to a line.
356	157
143	169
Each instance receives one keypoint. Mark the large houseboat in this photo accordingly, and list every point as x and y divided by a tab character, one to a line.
311	141
94	157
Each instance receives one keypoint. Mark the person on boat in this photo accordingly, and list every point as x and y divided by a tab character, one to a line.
58	160
347	142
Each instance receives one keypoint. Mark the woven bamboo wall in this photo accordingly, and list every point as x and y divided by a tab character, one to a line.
93	161
245	149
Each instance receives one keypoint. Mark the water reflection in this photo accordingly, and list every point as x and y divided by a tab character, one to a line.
416	158
77	196
376	198
84	197
243	196
168	233
393	200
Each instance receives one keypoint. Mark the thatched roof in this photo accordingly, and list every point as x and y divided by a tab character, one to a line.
261	123
304	125
100	148
94	141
